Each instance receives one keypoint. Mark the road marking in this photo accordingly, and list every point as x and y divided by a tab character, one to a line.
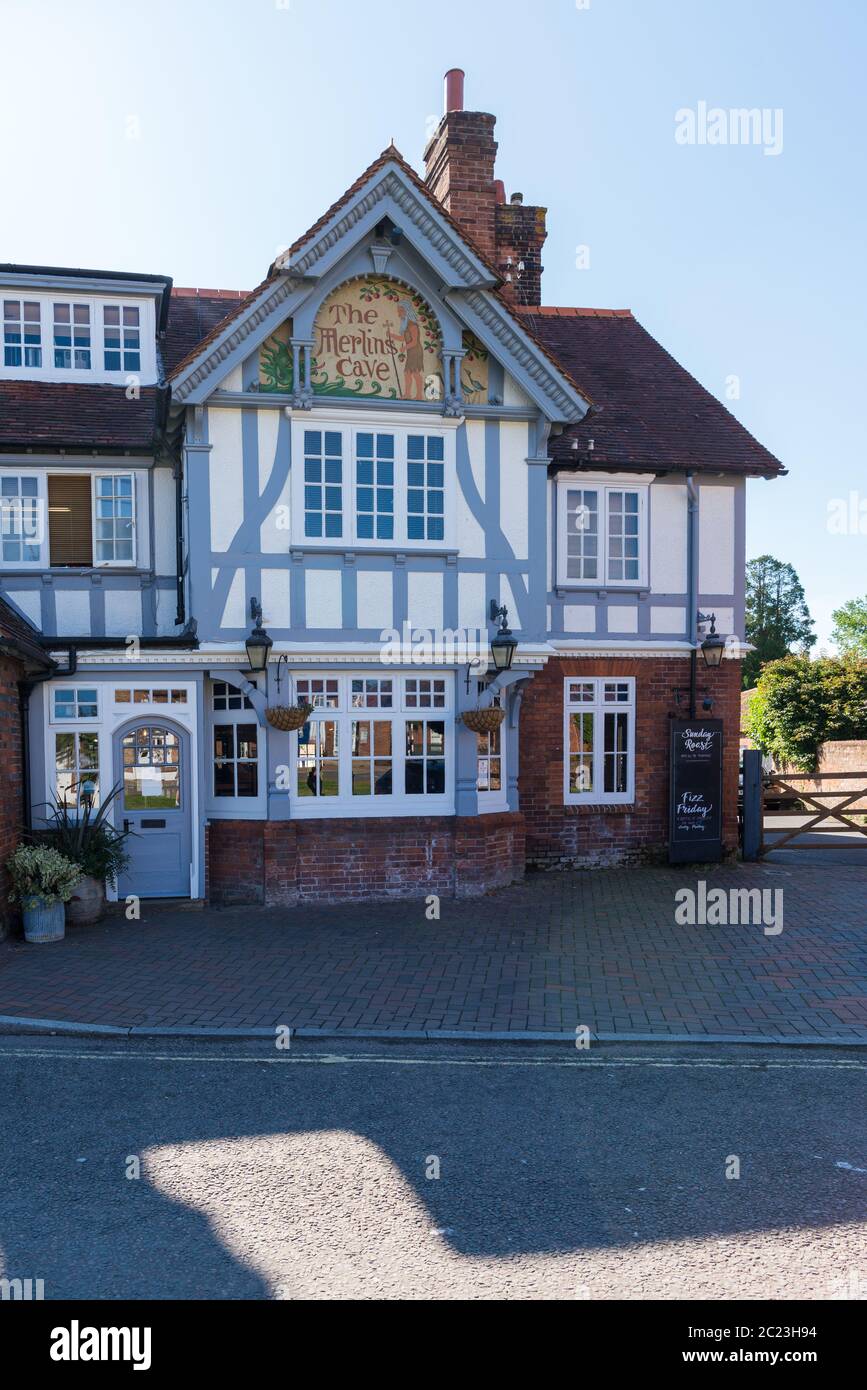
340	1059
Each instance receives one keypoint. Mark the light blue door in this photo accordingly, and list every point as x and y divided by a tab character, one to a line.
153	760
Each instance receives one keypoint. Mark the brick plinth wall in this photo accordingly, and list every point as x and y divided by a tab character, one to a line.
561	836
11	808
281	863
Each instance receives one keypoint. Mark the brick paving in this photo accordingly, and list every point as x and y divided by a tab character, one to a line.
600	949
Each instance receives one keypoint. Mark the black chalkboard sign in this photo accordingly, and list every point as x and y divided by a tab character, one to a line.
695	812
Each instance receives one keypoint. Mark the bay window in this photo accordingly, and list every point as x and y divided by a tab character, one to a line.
379	486
599	742
602	532
374	745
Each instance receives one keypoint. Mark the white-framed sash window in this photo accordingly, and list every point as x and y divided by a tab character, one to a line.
599	740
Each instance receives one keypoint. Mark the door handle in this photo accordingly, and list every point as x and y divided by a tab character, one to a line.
126	827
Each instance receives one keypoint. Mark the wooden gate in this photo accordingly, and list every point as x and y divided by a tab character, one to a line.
812	790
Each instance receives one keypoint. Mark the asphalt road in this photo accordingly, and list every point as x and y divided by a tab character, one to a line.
311	1173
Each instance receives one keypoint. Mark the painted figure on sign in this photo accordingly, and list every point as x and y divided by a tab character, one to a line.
410	340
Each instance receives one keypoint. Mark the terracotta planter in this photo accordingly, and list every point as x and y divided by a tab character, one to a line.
288	717
87	903
484	721
43	919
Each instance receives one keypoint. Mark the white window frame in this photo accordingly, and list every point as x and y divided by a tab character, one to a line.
597	707
76	729
112	564
96	372
494	800
604	485
401	425
398	802
41	479
232	807
41	475
75	719
23	348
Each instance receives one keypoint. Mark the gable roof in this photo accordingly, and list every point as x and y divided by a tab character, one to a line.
390	155
649	412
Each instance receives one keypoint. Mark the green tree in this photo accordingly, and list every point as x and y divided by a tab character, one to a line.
800	703
778	619
850	627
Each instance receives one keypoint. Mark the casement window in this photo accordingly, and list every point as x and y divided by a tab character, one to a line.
235	744
599	742
22	526
491	762
77	337
22	333
121	338
374	745
76	768
72	337
90	519
115	519
236	759
601	533
74	702
378	487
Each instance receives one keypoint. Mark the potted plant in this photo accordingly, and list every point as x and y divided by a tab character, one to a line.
43	879
89	838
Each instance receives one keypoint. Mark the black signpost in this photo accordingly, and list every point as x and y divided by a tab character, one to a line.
695	811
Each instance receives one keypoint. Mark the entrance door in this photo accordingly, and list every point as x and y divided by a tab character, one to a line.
155	805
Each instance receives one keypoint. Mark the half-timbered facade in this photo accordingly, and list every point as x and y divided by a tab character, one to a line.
386	436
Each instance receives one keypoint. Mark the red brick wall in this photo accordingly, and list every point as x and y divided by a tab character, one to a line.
559	836
11	807
284	862
839	755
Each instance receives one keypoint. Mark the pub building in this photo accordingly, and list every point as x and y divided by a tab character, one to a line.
383	578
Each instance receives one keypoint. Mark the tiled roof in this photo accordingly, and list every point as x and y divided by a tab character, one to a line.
50	415
21	634
193	317
649	412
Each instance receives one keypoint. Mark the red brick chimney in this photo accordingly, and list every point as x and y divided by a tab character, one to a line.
459	170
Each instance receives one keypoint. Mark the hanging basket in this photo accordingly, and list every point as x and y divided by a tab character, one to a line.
288	717
484	721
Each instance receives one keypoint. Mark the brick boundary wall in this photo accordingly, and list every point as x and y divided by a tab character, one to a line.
561	836
12	773
282	863
838	755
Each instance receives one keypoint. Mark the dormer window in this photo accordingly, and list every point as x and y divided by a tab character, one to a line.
78	338
72	336
121	338
22	333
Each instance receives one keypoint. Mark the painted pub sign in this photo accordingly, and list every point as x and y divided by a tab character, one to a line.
374	337
695	811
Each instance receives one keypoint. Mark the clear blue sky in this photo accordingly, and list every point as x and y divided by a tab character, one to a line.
251	116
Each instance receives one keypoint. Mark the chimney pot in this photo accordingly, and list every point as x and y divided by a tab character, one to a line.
454	89
499	190
517	197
